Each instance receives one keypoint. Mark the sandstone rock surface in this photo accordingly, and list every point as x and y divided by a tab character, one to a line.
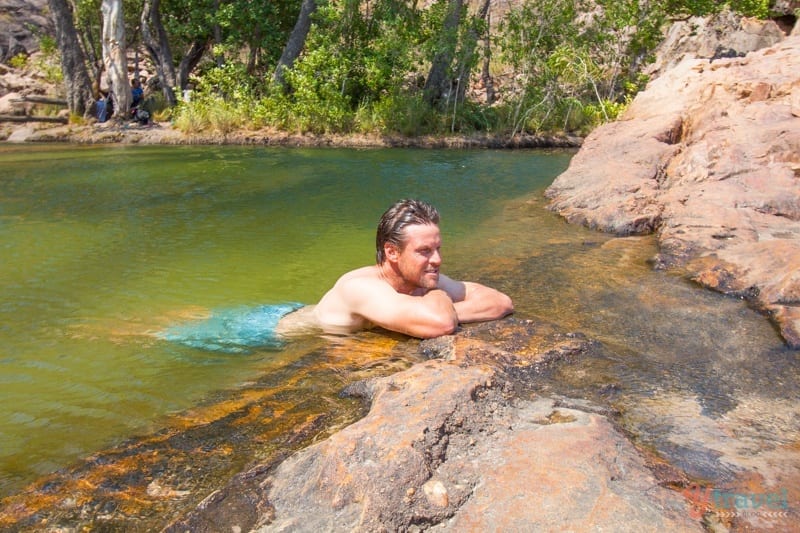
447	445
722	34
708	157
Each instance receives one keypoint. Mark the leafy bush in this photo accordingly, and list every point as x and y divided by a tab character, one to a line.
191	117
221	101
48	45
18	61
406	115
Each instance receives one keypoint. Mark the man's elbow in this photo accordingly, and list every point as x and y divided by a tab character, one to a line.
505	306
502	306
438	327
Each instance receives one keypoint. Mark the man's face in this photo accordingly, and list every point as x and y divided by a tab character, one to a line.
419	260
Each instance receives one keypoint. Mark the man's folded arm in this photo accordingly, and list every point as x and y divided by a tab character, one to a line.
424	317
475	302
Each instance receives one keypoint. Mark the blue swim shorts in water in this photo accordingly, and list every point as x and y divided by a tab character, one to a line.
236	330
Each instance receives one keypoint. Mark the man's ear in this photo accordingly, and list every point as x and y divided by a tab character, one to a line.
391	252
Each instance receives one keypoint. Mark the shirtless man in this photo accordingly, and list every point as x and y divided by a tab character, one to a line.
404	291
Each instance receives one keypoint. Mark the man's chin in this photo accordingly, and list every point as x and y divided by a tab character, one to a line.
430	281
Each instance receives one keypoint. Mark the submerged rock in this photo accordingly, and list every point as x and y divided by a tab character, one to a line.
708	157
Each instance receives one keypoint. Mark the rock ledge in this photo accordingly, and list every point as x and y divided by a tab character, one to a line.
708	157
448	446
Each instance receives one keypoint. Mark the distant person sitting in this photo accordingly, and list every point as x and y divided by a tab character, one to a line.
137	93
103	107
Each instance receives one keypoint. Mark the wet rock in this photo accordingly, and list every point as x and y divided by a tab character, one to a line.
470	466
448	445
708	157
153	480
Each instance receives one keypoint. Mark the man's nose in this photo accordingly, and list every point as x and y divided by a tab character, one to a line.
436	258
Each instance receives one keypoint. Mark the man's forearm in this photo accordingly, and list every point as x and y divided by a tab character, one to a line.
438	315
483	303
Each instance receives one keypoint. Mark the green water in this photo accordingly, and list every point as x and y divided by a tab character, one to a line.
102	246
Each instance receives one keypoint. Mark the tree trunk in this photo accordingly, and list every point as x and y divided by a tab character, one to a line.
255	48
28	118
217	32
115	57
296	43
486	75
467	55
439	82
95	63
73	62
158	47
190	60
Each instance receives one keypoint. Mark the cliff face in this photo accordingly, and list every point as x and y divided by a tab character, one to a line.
708	157
20	24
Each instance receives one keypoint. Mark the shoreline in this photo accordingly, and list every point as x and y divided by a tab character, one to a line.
164	134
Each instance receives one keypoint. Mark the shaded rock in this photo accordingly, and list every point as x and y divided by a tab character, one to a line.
709	158
723	35
21	25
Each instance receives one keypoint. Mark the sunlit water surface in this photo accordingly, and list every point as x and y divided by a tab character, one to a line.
102	247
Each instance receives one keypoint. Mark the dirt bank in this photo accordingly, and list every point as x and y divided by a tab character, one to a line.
165	134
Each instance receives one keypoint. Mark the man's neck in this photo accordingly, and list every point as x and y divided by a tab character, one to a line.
390	275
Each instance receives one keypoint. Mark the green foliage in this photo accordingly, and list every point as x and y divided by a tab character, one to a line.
48	45
573	64
230	81
191	117
357	64
406	115
210	113
49	67
18	61
221	101
750	8
534	41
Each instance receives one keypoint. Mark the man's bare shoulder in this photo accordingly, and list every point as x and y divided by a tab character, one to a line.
368	272
368	276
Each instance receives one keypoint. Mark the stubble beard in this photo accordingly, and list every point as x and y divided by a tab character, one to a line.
430	280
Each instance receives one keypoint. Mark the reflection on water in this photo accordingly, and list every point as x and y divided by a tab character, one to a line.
104	247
